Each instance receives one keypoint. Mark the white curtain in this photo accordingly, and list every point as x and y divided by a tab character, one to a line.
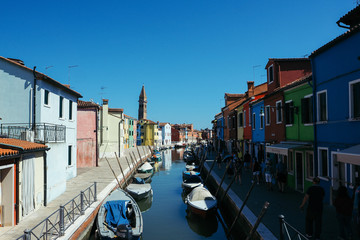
28	185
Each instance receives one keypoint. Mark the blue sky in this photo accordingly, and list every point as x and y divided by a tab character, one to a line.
187	53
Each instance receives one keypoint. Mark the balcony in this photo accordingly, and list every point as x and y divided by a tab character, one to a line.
40	133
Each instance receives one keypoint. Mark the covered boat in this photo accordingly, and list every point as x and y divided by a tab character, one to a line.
191	167
146	177
200	201
192	182
146	168
119	217
138	189
187	174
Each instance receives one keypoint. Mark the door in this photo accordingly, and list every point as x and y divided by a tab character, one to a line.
28	185
299	171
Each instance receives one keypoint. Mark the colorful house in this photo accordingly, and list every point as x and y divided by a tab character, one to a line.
129	131
111	132
87	137
166	133
22	179
39	109
336	78
148	132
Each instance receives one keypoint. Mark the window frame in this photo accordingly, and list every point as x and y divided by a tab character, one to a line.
311	113
267	116
351	100
320	165
244	118
280	110
318	112
70	163
309	177
241	119
46	97
291	112
262	120
253	121
71	110
271	76
61	107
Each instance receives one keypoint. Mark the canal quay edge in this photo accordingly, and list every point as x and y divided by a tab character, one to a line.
106	183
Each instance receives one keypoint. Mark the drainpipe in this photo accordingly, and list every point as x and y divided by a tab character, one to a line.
314	113
34	101
119	141
45	179
96	131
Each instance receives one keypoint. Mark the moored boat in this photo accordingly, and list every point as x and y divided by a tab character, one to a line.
192	182
138	189
200	201
187	174
119	217
145	168
146	177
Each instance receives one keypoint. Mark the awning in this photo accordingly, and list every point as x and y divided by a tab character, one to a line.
283	148
350	155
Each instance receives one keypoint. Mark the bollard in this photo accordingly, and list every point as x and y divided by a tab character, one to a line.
95	192
124	177
27	233
282	233
229	186
223	178
212	166
82	211
62	221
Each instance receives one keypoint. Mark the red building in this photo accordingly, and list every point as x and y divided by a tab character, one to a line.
175	135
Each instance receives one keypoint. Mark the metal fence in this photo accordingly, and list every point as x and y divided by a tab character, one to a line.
55	225
289	232
40	132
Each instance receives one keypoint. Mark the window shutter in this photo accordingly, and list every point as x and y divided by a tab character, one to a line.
304	110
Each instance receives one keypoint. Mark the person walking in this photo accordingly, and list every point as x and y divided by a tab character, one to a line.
356	207
247	159
343	204
218	160
314	196
281	175
268	175
256	171
239	167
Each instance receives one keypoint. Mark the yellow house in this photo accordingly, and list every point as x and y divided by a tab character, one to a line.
240	128
149	132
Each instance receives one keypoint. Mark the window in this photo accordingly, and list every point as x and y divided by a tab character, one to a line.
61	107
261	120
249	118
289	113
290	163
244	118
278	112
69	155
354	99
46	97
70	110
322	106
271	74
323	162
253	121
307	109
241	120
309	158
267	115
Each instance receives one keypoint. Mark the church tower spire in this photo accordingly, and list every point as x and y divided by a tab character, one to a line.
142	104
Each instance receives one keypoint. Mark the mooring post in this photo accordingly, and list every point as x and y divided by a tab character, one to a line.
223	178
128	163
229	186
282	233
241	208
135	160
27	233
82	207
212	166
61	221
118	161
139	154
261	215
95	192
203	162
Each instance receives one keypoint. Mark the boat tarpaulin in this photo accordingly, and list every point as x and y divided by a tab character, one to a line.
349	155
282	148
116	212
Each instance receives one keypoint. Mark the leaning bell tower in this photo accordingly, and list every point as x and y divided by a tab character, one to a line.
142	104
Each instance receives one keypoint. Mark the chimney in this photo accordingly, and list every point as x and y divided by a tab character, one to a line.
250	88
105	101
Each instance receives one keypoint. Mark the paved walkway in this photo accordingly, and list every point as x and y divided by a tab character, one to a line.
286	203
85	177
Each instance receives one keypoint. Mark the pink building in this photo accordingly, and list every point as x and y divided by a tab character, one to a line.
87	128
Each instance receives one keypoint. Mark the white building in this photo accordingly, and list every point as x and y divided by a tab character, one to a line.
166	133
47	115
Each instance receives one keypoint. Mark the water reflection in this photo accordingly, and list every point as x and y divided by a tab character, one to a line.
202	226
167	159
145	204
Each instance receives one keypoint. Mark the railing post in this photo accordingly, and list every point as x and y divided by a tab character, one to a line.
82	211
27	233
62	221
281	221
44	133
95	192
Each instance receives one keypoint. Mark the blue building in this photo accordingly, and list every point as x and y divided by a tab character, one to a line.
219	126
258	128
336	91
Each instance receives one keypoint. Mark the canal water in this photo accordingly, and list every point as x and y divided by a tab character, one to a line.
166	216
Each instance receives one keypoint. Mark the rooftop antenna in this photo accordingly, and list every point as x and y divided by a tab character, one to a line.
47	67
102	88
73	66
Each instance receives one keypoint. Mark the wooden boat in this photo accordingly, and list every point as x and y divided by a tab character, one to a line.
156	157
192	182
200	201
146	168
146	177
191	167
119	217
187	174
138	189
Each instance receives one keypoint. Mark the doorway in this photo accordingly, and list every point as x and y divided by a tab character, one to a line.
299	171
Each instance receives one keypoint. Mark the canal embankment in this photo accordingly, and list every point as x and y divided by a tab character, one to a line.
105	183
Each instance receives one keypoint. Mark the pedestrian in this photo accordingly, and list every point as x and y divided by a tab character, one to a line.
256	171
218	160
247	159
268	175
281	175
314	196
343	204
239	167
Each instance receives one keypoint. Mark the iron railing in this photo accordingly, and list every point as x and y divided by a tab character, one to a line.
289	232
40	132
55	225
